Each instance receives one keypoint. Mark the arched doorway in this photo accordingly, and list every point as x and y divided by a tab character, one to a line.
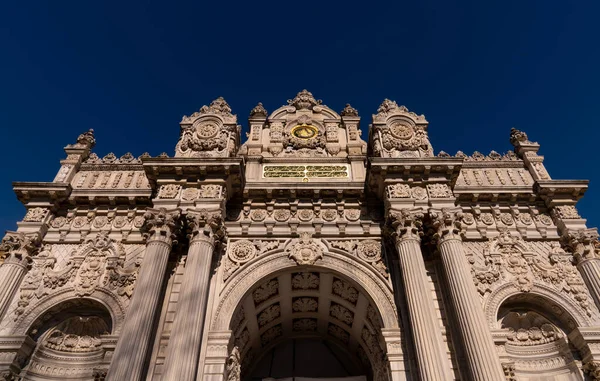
308	323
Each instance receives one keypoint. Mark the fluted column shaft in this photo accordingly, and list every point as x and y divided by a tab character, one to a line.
426	331
481	356
129	358
431	358
590	272
11	276
184	345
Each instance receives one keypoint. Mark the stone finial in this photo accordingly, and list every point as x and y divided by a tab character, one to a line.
517	137
218	106
87	139
349	111
258	111
304	100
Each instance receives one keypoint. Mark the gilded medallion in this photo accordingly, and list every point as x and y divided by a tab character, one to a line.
304	131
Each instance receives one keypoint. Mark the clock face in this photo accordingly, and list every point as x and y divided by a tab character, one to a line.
304	131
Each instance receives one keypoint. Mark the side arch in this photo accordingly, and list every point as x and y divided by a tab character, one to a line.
570	311
239	284
100	295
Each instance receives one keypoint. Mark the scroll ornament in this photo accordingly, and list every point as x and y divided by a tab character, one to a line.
509	258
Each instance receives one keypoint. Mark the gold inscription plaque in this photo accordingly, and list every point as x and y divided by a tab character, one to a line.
305	172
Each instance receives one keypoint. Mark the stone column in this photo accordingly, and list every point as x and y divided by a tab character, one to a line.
431	357
183	350
582	243
129	358
481	356
16	249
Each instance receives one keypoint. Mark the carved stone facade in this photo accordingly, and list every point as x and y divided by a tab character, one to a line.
399	262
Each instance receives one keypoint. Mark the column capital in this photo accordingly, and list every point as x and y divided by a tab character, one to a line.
407	223
162	225
583	243
18	247
204	225
447	224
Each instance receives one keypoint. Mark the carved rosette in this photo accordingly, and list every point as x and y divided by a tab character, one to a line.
407	224
305	251
17	248
162	225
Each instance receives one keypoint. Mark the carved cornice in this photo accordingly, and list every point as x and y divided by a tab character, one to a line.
162	225
407	224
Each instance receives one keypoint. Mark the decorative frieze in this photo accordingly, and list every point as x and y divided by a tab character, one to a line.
36	215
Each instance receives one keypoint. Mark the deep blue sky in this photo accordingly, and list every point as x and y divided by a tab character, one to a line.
130	71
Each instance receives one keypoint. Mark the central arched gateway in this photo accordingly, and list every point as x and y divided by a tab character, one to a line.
275	318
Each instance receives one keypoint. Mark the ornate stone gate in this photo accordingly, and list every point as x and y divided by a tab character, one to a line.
409	264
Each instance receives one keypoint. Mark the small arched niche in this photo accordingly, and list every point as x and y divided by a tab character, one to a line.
537	343
69	342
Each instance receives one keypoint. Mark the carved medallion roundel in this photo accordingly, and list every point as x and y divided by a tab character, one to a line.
304	131
369	250
242	251
401	131
206	129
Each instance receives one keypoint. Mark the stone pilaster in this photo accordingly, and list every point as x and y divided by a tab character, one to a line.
582	243
392	338
16	249
129	359
427	335
216	355
482	359
183	350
